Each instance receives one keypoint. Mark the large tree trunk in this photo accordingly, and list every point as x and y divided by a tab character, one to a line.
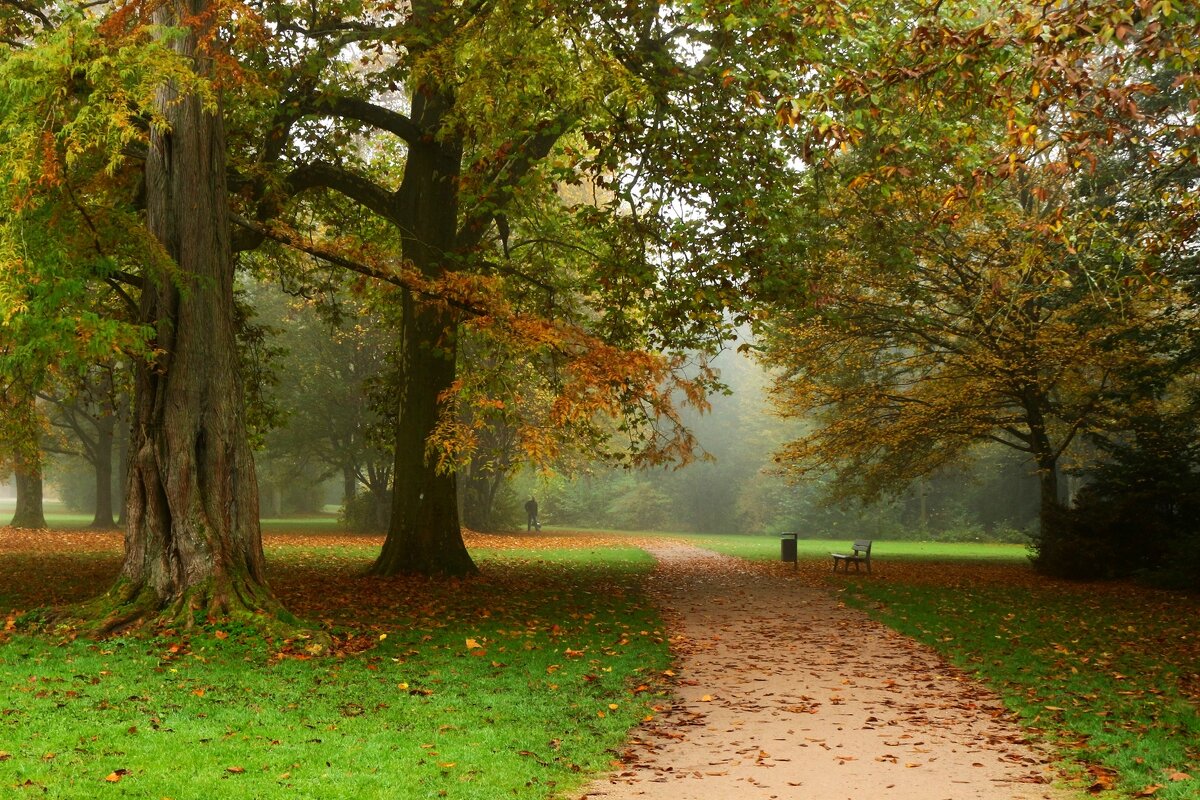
29	512
424	535
193	546
105	438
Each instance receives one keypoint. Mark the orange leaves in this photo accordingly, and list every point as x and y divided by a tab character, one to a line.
1103	778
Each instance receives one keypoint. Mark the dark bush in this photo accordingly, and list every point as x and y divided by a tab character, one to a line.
1140	515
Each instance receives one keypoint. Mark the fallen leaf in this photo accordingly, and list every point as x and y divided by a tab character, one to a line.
221	634
473	645
235	770
1105	779
1149	790
1180	776
116	775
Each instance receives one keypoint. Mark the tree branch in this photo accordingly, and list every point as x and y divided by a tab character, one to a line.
319	174
509	173
368	113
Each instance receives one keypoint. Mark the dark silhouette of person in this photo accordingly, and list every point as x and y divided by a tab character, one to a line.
531	512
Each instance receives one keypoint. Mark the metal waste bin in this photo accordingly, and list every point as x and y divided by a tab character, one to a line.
787	547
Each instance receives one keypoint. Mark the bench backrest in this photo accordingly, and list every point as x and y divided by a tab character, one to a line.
863	546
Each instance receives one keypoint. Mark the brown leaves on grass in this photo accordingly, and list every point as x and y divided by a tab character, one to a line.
24	540
1103	778
50	568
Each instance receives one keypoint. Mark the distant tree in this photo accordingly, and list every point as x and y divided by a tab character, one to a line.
986	333
91	414
330	372
22	451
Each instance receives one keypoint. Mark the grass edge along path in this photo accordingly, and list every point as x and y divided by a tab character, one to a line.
1100	672
1108	673
519	684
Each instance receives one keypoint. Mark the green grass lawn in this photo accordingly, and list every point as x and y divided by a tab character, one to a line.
59	517
520	684
767	548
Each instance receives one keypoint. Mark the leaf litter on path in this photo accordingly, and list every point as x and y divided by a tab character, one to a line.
780	686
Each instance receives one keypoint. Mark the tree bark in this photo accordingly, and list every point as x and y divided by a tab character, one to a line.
193	546
424	535
29	512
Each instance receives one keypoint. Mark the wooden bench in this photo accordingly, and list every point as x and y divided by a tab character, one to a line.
860	554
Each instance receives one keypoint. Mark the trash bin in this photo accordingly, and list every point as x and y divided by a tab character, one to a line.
787	547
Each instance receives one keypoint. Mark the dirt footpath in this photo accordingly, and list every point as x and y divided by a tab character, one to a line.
785	693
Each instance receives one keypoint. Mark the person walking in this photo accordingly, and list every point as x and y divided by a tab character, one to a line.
531	510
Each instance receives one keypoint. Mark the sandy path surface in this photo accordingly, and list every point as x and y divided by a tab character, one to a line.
784	693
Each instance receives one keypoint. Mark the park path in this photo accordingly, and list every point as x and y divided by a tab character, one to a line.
782	692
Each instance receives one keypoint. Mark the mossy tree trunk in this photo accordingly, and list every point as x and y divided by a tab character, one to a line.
193	545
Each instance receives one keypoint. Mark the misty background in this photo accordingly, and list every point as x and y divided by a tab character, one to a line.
318	382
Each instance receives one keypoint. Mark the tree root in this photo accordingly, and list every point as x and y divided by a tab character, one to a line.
129	610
